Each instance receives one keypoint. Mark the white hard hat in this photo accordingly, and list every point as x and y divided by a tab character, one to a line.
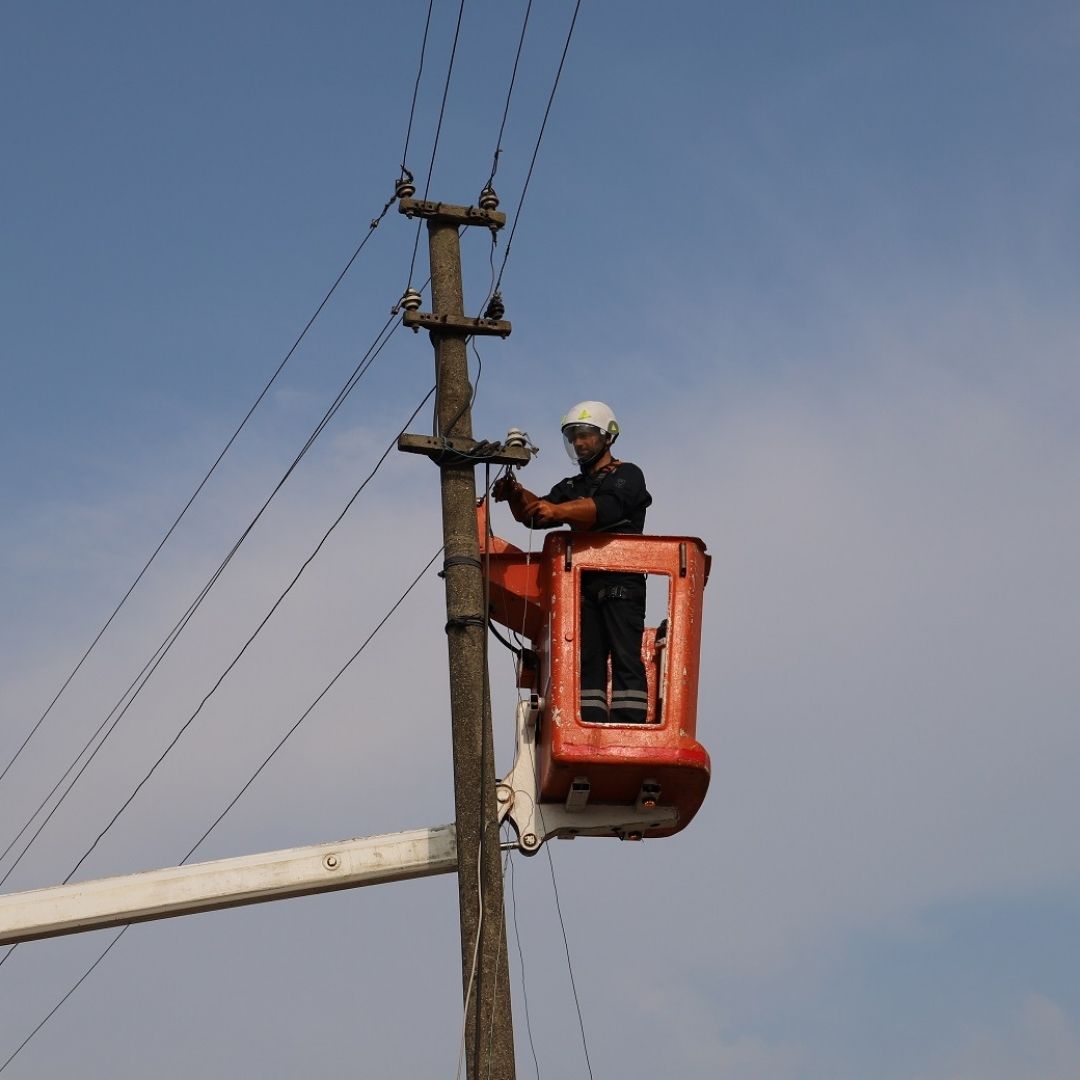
593	414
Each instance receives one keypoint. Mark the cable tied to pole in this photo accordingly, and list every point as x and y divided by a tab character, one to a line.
460	560
482	451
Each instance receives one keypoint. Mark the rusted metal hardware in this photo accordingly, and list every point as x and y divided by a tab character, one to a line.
461	325
450	214
458	451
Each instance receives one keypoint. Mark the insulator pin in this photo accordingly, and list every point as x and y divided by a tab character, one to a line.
488	199
496	309
405	188
411	300
516	437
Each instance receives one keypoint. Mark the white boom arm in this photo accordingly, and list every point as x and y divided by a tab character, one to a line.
250	879
346	864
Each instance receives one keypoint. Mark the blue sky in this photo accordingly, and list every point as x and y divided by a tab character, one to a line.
821	259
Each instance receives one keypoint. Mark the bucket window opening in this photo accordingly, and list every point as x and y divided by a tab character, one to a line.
622	621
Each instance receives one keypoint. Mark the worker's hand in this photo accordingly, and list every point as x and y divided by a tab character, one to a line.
541	513
504	488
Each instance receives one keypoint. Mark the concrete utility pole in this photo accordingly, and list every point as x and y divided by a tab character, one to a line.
489	1036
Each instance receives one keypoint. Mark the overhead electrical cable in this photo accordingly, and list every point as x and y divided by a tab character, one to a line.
369	357
506	108
472	968
303	716
217	821
135	687
412	267
566	946
445	95
52	1012
521	965
493	1007
416	90
205	699
258	401
258	629
539	139
438	131
487	744
202	483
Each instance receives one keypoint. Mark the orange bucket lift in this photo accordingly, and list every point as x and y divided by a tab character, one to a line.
571	777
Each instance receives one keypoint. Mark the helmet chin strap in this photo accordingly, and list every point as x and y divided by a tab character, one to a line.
584	463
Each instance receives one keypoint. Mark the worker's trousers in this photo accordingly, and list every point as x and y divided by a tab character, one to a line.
612	621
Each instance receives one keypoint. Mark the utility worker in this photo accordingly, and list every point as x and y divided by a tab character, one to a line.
605	495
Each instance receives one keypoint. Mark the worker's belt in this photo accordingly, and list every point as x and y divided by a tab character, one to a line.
615	592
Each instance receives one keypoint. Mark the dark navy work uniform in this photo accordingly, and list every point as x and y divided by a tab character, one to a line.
612	604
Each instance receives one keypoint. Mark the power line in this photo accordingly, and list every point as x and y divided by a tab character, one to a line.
472	969
521	965
497	153
187	723
303	567
170	639
217	821
484	741
445	95
258	401
566	946
509	92
438	131
495	980
266	618
416	89
539	138
308	710
202	483
148	669
56	1007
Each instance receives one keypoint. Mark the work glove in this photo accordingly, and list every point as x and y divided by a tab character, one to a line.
504	488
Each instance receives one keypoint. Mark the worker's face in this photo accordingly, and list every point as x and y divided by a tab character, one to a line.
587	441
